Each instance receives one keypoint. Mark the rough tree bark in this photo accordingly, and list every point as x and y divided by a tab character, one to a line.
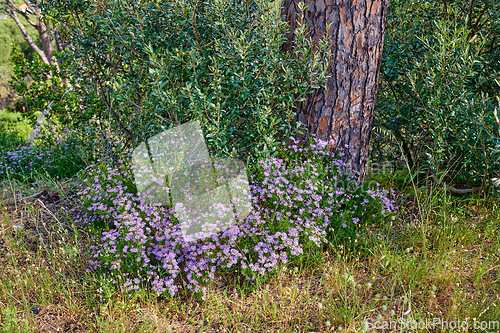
344	110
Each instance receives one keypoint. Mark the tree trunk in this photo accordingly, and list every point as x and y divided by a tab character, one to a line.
47	44
344	110
28	38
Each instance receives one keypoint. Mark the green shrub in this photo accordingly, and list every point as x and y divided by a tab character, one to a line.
12	131
141	68
437	90
43	88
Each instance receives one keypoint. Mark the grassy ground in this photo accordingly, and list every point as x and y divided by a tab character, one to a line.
13	130
437	261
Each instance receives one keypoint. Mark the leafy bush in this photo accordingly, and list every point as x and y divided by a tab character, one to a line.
437	90
43	89
141	68
303	199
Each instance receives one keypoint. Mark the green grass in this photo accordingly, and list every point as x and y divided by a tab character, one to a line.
13	130
9	117
439	259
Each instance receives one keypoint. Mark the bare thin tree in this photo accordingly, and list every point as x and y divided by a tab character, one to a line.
32	14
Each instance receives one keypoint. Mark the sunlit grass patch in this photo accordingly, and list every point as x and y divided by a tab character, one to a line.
12	122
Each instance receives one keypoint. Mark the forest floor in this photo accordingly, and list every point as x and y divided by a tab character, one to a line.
435	268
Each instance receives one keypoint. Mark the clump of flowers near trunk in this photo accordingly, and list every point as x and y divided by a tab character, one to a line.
303	199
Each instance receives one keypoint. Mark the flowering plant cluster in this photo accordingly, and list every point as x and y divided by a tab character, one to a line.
303	199
55	151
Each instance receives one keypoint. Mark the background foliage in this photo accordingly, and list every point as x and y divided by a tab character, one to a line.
437	89
10	36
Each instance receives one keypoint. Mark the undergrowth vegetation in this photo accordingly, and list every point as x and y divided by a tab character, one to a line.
304	199
439	258
56	152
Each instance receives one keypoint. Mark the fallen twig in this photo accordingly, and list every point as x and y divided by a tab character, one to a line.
15	201
48	210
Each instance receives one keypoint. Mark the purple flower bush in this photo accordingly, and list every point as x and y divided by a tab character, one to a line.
55	152
303	199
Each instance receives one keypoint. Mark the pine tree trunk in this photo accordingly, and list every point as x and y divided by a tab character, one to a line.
344	111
